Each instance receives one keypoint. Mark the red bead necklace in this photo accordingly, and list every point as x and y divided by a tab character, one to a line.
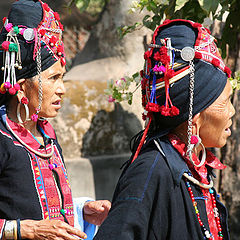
207	234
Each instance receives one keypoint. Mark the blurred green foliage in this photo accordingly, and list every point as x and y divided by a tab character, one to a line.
93	7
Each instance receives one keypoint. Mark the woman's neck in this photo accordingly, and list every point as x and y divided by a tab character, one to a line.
12	115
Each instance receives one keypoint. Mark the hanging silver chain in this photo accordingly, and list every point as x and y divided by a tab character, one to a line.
191	93
39	70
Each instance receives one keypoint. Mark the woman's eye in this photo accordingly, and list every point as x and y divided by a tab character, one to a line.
55	77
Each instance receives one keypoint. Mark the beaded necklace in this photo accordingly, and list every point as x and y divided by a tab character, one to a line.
207	234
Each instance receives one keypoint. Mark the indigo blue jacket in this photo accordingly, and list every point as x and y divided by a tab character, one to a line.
151	201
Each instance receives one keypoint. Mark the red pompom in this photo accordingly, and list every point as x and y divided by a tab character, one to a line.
147	55
174	111
165	111
197	25
152	107
228	71
56	15
141	73
166	21
24	100
60	49
194	140
163	50
53	40
60	26
12	91
42	32
163	58
215	62
4	20
46	7
17	86
198	55
170	73
5	45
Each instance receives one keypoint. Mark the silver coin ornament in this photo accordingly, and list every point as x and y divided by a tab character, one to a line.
187	54
28	34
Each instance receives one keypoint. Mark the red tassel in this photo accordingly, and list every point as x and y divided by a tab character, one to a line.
142	140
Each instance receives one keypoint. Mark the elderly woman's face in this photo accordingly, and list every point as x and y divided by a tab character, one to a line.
53	90
215	121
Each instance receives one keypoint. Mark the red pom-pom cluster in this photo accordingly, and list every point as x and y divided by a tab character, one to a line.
24	100
152	107
60	26
169	111
162	56
7	87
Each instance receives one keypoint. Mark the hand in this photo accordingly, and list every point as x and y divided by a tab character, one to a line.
95	212
49	229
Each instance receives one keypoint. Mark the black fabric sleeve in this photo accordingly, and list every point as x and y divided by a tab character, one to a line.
134	198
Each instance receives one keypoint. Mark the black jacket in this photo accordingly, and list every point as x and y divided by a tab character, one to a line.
151	201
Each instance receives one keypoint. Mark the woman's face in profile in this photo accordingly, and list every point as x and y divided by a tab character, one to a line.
53	90
215	121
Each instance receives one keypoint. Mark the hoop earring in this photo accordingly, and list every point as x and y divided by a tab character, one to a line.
196	142
24	102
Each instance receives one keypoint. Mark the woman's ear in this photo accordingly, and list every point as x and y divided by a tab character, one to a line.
21	91
196	122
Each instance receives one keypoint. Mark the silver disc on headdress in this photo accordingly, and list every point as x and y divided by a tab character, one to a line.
187	54
28	34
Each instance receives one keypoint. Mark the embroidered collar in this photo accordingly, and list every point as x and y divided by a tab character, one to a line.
44	126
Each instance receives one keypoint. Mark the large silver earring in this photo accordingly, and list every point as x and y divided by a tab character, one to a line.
196	142
24	102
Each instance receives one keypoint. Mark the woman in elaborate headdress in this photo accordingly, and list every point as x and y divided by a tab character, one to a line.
166	188
35	195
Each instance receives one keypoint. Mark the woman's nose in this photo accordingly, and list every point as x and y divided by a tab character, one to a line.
61	88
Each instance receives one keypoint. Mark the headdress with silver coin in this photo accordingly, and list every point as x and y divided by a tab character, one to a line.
31	41
183	75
